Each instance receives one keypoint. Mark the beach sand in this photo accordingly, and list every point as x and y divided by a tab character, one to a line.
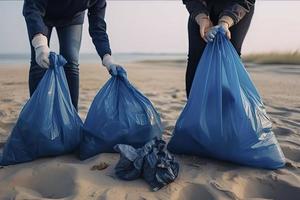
66	177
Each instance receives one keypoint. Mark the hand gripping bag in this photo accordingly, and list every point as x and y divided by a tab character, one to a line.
224	117
119	114
48	124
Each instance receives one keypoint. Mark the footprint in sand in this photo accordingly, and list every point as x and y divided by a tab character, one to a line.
281	131
260	188
7	125
111	194
151	94
195	191
291	122
279	113
53	182
3	113
291	153
287	110
6	100
176	106
278	190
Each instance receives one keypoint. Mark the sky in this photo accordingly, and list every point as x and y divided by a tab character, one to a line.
161	27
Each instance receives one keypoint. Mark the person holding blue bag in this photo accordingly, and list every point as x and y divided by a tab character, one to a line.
224	117
67	17
205	16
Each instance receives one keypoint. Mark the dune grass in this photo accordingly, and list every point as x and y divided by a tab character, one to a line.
273	58
286	58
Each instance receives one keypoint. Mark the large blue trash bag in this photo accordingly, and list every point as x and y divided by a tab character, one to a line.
224	117
48	124
119	114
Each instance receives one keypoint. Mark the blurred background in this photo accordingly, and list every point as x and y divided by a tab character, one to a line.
141	30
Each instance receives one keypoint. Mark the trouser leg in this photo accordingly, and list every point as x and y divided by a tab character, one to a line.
69	46
196	48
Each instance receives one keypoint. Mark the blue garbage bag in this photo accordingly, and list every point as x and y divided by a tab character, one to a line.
119	114
160	167
152	162
224	117
48	124
130	165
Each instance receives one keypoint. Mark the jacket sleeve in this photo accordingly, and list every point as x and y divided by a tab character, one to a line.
34	11
196	7
97	28
237	9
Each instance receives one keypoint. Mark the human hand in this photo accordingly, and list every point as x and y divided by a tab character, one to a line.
110	65
42	51
204	24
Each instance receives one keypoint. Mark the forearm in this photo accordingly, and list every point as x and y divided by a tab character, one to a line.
196	7
33	12
97	30
237	9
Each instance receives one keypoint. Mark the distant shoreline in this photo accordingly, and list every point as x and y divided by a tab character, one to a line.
94	58
259	58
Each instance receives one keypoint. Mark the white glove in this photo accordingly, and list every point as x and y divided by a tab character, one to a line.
110	65
42	51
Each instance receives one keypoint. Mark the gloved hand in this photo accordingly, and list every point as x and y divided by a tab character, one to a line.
225	22
110	65
42	51
204	23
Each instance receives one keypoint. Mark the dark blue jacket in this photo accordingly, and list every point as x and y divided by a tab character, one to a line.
236	9
39	14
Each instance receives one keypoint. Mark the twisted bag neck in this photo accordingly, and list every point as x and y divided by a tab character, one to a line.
56	60
221	31
121	72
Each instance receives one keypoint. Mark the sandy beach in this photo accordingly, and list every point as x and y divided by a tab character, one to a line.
66	177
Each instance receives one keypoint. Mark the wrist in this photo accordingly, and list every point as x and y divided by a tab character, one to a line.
107	60
201	17
39	40
226	21
225	25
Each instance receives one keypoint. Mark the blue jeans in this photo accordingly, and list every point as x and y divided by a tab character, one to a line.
69	45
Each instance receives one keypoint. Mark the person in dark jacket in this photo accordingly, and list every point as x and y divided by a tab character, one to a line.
67	17
205	15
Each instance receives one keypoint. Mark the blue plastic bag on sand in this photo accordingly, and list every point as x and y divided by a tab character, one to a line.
152	162
48	124
119	114
224	117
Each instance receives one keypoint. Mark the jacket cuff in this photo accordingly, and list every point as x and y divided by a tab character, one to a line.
196	7
104	53
198	12
33	31
236	12
226	19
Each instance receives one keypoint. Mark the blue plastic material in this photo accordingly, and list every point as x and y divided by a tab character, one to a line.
224	117
156	165
119	114
48	124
